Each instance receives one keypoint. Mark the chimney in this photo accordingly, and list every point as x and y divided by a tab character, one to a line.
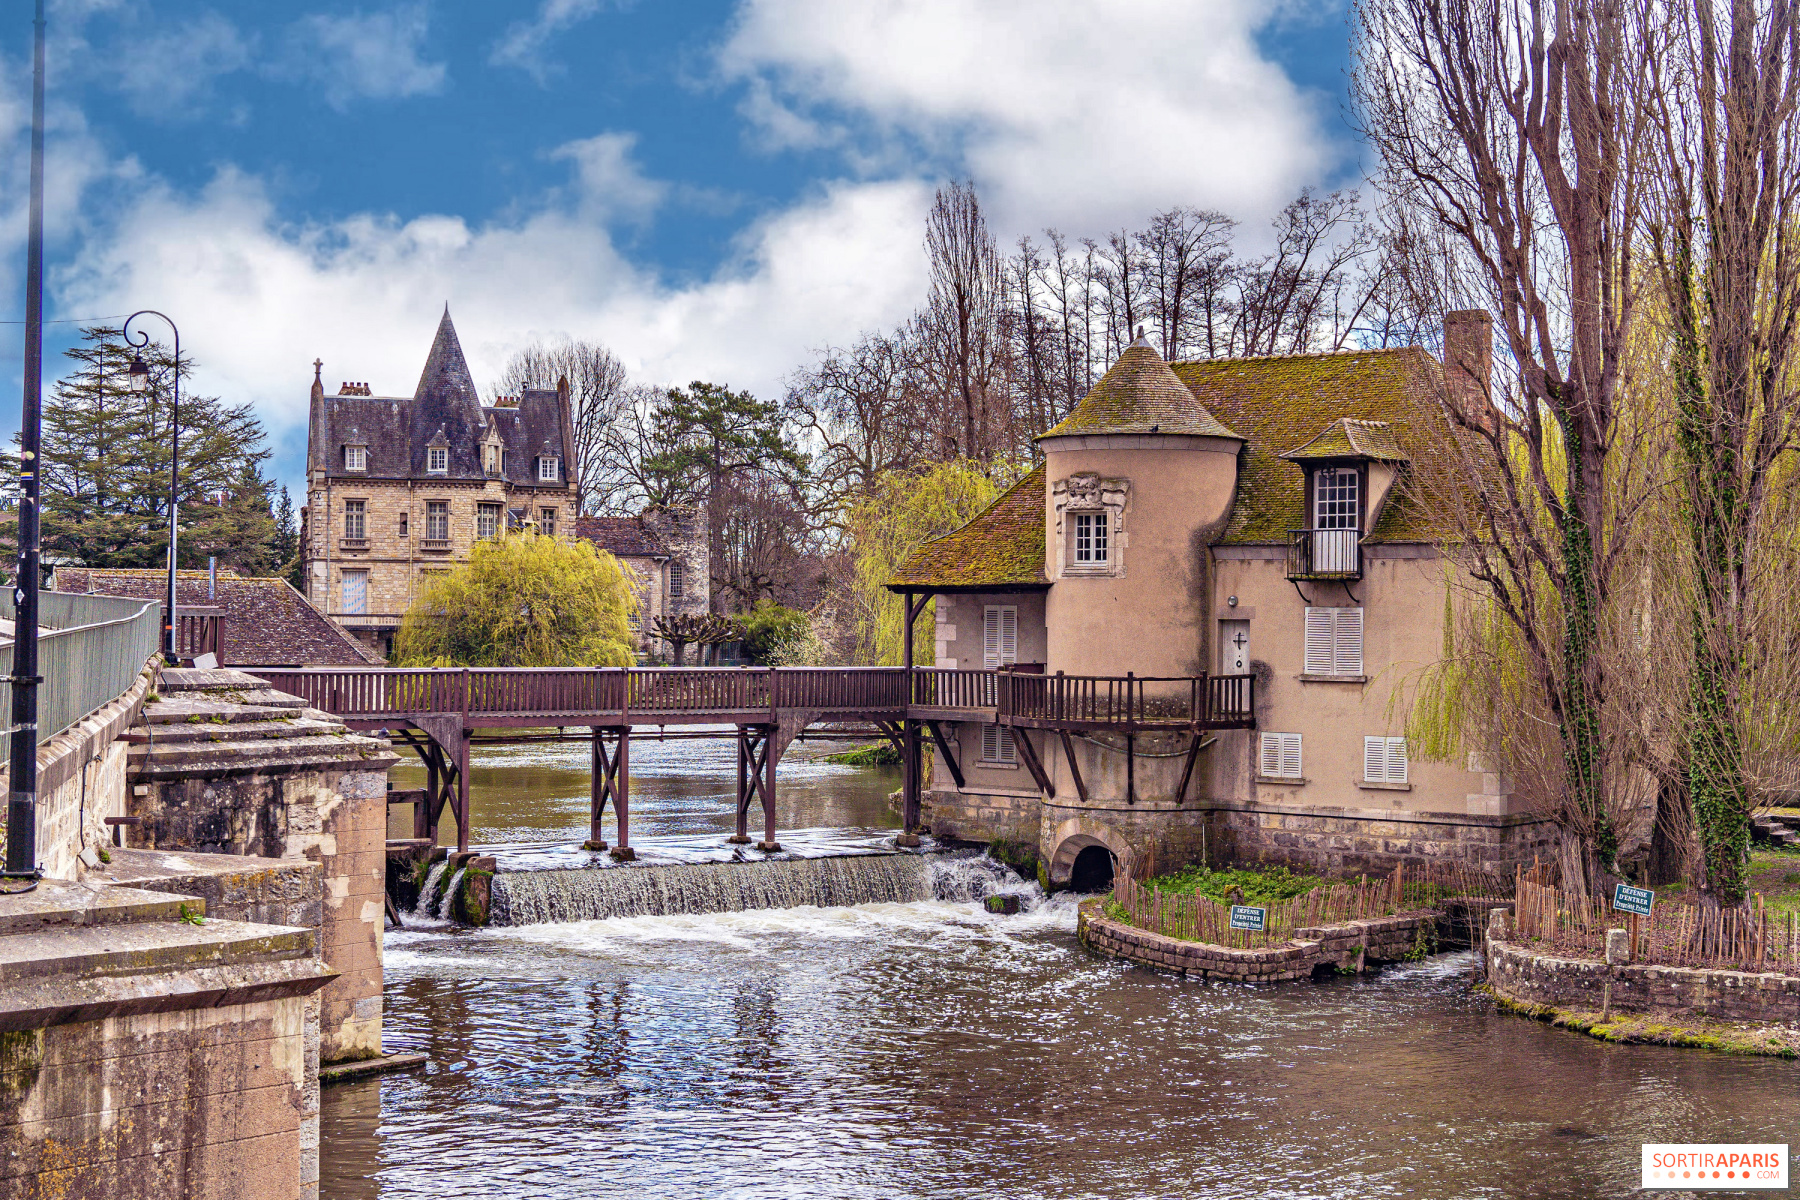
1468	364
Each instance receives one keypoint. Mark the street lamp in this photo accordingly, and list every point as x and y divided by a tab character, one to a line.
138	379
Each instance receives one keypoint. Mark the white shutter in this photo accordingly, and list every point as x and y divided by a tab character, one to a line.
1396	760
1374	760
1280	756
999	636
1347	655
1319	640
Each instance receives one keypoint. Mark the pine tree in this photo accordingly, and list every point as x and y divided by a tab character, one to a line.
106	466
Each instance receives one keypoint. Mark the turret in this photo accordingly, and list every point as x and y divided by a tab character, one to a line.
1139	482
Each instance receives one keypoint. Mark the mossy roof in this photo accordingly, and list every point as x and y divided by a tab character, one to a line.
1003	547
1286	401
1140	394
1350	438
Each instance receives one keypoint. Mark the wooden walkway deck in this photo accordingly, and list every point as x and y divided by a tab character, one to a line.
436	710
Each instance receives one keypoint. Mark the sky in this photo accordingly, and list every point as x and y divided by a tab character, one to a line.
713	188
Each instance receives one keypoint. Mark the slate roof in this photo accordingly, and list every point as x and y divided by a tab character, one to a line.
1001	548
266	622
445	410
626	537
1286	401
1140	394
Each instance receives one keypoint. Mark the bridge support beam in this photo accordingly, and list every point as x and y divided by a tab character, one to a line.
610	779
912	784
757	756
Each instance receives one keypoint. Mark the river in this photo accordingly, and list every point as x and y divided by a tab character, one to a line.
932	1050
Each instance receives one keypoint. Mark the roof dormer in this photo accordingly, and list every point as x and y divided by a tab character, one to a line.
1350	469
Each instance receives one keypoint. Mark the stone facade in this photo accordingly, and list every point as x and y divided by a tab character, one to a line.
1349	945
1525	976
668	552
234	768
143	1056
399	487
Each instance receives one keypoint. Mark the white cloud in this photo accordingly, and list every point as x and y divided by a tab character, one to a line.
609	184
376	55
171	73
258	298
525	43
1068	112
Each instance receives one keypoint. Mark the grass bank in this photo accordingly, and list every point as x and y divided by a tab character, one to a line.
1777	1041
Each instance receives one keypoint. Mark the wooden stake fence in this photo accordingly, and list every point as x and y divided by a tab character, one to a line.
1673	934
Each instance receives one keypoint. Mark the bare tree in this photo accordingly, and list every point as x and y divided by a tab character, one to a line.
1183	250
1512	136
958	329
1726	240
597	396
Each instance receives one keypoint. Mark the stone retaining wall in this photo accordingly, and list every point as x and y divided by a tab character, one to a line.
1349	945
1528	976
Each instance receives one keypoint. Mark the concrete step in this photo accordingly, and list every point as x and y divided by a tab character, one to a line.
143	947
54	905
171	733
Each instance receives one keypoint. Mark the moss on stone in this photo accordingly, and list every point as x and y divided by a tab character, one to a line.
1637	1029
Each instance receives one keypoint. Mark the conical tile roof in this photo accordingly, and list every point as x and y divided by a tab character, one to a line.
1140	394
446	372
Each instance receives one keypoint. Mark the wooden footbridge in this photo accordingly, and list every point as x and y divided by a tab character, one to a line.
438	711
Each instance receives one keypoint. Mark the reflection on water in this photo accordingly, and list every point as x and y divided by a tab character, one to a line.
539	792
930	1049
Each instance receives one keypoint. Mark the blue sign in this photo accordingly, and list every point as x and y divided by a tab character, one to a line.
1245	917
1633	899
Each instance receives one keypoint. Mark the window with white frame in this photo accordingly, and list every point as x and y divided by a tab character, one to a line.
1334	497
547	468
1334	641
487	520
1280	756
356	458
999	636
437	460
1089	544
1384	760
997	747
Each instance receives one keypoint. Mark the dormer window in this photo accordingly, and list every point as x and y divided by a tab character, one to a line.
437	460
494	459
548	465
356	458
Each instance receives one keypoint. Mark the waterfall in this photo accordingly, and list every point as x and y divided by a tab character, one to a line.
422	906
450	895
531	897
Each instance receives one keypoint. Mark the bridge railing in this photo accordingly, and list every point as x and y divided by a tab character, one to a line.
597	694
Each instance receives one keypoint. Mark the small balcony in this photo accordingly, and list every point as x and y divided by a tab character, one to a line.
1324	554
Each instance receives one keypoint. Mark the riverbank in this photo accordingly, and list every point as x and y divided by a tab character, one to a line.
1638	1029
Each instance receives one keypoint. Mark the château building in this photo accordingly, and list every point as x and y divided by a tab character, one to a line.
398	487
1229	517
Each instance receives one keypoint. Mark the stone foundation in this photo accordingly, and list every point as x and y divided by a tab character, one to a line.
1528	976
1335	841
1350	945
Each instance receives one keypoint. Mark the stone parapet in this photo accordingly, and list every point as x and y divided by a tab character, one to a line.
1349	945
232	767
147	1053
1528	976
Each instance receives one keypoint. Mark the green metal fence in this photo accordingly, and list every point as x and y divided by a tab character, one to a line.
90	652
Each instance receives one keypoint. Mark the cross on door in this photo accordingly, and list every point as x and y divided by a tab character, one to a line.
1240	641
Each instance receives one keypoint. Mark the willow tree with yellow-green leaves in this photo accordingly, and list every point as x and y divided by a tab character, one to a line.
524	600
898	513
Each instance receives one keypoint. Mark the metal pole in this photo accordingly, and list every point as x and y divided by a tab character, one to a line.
21	808
143	339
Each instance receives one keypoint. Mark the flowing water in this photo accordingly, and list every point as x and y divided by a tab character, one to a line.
918	1046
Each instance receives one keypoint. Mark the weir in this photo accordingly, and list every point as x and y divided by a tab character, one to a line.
672	889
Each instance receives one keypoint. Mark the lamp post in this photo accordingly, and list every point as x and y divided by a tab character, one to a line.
139	379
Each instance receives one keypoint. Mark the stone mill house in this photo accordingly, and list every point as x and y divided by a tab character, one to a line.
399	487
1235	516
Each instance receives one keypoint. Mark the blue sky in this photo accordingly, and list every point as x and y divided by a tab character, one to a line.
713	188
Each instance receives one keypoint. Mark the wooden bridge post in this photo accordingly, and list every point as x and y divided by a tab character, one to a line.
596	793
769	845
622	796
423	824
462	790
910	784
744	788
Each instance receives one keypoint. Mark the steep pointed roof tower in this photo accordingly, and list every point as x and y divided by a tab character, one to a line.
1139	394
447	403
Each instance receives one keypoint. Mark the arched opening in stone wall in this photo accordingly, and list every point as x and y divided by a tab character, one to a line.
1093	870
